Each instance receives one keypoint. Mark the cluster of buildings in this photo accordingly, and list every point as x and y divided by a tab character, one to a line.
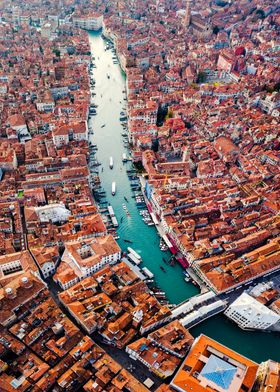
50	224
203	108
116	303
42	350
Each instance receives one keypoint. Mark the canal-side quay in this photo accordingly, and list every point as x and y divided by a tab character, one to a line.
110	101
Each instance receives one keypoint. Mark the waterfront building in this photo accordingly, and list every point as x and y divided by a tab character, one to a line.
88	22
210	366
84	257
249	313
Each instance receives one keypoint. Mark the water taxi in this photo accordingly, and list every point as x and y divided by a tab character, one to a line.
114	188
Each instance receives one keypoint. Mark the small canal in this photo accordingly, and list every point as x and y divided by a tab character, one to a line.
110	99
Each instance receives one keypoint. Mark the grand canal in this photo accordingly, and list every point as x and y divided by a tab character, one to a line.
109	87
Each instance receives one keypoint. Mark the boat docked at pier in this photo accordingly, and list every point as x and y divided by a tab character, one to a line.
147	272
135	254
163	246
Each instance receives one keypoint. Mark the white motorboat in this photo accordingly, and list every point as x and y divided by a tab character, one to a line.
114	188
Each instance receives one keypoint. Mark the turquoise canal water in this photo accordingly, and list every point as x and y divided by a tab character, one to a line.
110	100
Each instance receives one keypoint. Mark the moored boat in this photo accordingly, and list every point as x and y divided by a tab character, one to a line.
147	272
135	254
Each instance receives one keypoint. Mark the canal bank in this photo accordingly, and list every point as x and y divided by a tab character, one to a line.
107	135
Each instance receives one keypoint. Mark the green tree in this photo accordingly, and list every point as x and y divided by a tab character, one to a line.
161	114
277	86
260	13
155	145
56	52
216	30
169	114
201	77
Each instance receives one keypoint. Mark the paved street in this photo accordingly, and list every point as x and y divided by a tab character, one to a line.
138	370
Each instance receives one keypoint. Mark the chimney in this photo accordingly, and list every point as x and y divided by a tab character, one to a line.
26	283
10	293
